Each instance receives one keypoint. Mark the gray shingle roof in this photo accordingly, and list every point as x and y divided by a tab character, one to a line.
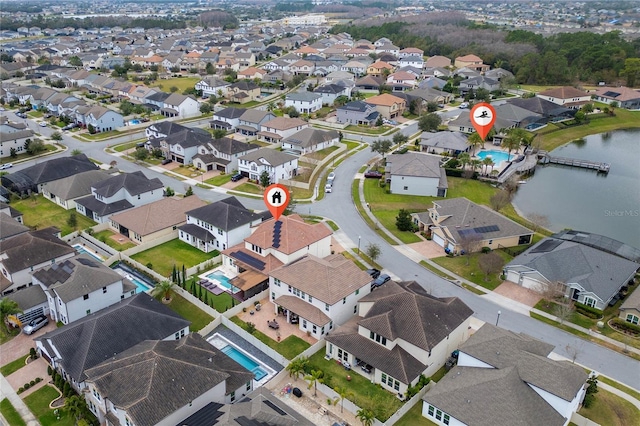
33	248
28	297
98	337
271	156
230	113
415	164
446	140
134	183
309	137
102	209
77	185
10	227
303	96
57	168
226	214
155	378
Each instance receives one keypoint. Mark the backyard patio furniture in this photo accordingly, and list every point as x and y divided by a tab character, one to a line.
273	324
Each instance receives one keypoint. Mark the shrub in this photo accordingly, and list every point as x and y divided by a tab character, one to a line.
486	249
49	370
620	323
149	265
250	327
38	379
32	353
20	390
588	311
32	383
26	386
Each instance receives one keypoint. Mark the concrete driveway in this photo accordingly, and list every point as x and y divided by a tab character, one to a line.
428	249
518	293
21	344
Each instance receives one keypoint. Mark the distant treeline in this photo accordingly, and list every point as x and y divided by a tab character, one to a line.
57	22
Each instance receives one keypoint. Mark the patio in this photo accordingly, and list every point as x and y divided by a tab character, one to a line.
268	313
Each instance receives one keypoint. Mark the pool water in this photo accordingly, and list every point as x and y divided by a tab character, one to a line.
134	121
141	286
497	156
223	281
245	361
81	250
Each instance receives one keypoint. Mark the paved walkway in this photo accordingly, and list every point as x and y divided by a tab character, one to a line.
6	391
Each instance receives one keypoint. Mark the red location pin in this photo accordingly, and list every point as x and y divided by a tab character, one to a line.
483	115
276	197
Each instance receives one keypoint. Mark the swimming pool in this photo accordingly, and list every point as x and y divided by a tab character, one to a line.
81	250
141	286
497	156
221	280
245	361
134	121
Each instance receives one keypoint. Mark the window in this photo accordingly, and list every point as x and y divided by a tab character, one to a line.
315	329
590	302
633	319
344	300
326	306
177	336
277	282
219	231
357	292
88	311
273	295
304	323
432	410
85	297
384	378
438	415
355	309
233	396
104	290
378	338
330	348
248	386
406	188
446	419
310	298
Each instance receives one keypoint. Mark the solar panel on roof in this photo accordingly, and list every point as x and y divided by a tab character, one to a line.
249	260
276	234
611	94
465	232
274	407
547	246
485	229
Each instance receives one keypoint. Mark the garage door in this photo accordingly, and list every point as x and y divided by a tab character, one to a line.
28	316
438	240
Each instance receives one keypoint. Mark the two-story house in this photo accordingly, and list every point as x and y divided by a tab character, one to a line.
243	91
411	61
212	86
318	294
472	62
218	225
302	67
227	119
304	102
118	193
100	118
277	164
65	191
400	332
379	69
222	154
180	105
387	105
79	286
251	120
182	146
330	92
281	127
358	113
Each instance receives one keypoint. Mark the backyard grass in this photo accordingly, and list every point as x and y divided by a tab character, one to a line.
6	336
40	213
250	188
10	413
187	310
105	237
364	393
321	154
219	180
611	410
472	272
414	417
13	366
368	130
289	348
181	83
221	302
174	252
38	402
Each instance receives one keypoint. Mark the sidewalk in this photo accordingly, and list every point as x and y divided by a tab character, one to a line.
6	391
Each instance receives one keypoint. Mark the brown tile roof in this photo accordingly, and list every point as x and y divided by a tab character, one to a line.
284	123
294	234
303	309
469	58
270	261
384	100
329	279
564	92
381	65
161	214
620	94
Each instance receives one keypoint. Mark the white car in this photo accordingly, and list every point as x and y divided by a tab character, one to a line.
464	105
327	187
6	166
35	324
43	124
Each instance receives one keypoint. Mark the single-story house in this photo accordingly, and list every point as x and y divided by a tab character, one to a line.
450	143
415	173
310	140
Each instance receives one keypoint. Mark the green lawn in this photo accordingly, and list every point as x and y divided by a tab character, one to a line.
611	410
355	194
436	270
174	252
6	336
10	413
321	154
13	366
25	156
35	114
199	318
128	145
38	402
472	272
368	130
289	348
219	180
181	83
220	303
365	394
40	213
250	188
634	393
102	135
350	144
414	417
105	237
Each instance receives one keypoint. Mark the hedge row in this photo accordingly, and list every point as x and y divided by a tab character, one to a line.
588	311
626	325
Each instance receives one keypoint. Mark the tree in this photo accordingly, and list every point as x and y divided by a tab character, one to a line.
188	193
499	200
399	138
314	377
210	69
592	389
8	307
173	89
563	311
205	108
265	179
140	154
166	289
469	243
432	106
168	192
631	71
490	263
342	394
72	221
379	121
587	108
475	164
515	138
340	100
75	61
579	117
487	162
13	153
372	251
464	158
91	129
403	220
381	146
218	133
76	407
429	122
56	136
474	141
35	147
366	416
297	367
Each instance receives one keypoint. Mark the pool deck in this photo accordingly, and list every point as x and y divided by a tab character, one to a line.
246	346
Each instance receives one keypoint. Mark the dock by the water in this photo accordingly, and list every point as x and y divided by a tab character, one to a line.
600	167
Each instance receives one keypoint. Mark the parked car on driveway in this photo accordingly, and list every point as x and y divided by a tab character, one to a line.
35	324
43	124
236	177
166	161
383	278
375	273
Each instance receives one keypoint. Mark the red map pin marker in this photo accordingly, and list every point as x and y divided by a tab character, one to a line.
483	115
276	197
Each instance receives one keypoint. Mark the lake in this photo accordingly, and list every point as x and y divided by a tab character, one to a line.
584	200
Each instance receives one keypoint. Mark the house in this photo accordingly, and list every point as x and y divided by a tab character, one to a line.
624	97
154	220
100	118
227	119
280	128
499	74
457	225
475	83
252	73
10	226
463	124
32	302
357	68
387	105
27	252
219	225
178	105
65	191
183	146
448	143
566	96
118	193
130	389
400	332
277	164
358	113
472	62
411	52
251	261
251	121
83	344
379	69
330	92
243	91
222	154
416	174
304	102
14	142
302	67
309	140
401	80
437	62
33	178
546	110
166	128
630	308
503	378
590	272
411	61
369	83
78	286
212	86
318	294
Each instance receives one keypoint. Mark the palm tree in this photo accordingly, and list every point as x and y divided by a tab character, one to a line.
314	378
475	164
297	367
76	406
166	289
271	106
8	307
487	162
515	138
365	416
464	158
475	140
342	394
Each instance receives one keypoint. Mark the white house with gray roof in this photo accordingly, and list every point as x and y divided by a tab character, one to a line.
251	121
416	174
310	140
277	164
222	154
399	333
212	86
65	191
591	276
79	286
504	379
304	102
451	143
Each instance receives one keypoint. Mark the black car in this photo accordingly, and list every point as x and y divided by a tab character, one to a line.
166	161
375	273
373	174
380	280
236	177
